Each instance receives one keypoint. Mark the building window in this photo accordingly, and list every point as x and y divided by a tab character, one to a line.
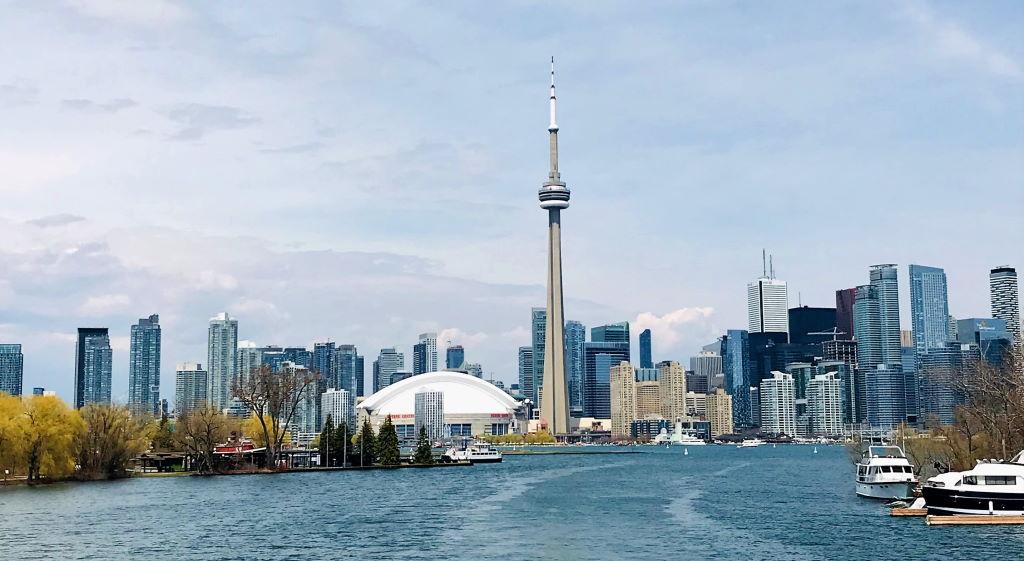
462	429
498	429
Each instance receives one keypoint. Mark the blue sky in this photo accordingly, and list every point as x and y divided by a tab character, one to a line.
367	172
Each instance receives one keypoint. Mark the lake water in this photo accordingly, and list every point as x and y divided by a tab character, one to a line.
715	503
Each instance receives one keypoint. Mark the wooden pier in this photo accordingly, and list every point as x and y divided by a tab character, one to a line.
909	512
972	520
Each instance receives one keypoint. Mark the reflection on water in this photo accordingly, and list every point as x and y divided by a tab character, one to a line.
717	502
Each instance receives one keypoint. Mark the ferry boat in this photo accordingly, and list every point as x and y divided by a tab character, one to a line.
679	437
991	488
885	473
750	443
476	452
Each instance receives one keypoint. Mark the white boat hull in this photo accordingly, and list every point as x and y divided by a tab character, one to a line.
888	491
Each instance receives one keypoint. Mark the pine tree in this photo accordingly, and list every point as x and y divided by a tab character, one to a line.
367	445
424	454
387	444
341	445
327	453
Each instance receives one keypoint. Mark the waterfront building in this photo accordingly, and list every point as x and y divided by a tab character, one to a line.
719	412
599	357
941	378
706	367
929	309
885	396
337	404
648	400
697	405
424	354
824	405
575	338
623	398
737	367
672	389
144	367
538	323
809	325
990	335
699	384
190	387
389	361
93	362
646	360
767	306
12	368
471	406
222	344
778	405
866	327
884	278
845	299
429	415
305	420
348	366
754	411
248	357
526	377
321	363
1003	287
454	357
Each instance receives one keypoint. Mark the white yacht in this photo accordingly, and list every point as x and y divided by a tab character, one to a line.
750	443
885	473
679	437
991	487
476	452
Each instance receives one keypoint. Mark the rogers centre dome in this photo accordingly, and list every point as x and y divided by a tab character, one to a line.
471	406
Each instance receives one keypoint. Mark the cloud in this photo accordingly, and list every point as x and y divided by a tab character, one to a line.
133	12
953	41
198	119
104	304
55	220
89	106
294	149
13	95
671	330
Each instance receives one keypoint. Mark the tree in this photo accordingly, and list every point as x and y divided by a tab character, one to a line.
540	437
163	436
388	453
112	437
326	441
424	451
200	432
366	445
12	432
50	430
273	398
341	444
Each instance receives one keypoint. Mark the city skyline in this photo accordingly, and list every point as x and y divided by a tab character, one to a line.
466	172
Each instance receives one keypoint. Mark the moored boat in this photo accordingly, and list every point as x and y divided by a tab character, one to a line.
750	443
991	488
885	473
476	452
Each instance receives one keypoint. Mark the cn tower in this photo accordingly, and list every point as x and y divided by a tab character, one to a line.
554	196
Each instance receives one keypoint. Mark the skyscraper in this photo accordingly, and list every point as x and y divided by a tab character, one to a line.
824	404
866	327
778	404
429	411
809	325
885	396
222	344
599	357
672	390
845	299
338	404
622	388
706	366
554	196
348	365
767	306
424	354
929	308
190	385
645	349
575	337
12	364
1002	282
93	362
526	363
144	367
718	407
388	362
736	362
611	333
248	357
884	278
454	356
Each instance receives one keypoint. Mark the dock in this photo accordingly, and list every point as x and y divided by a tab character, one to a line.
972	520
909	512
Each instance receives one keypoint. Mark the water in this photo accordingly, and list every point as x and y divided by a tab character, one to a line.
715	503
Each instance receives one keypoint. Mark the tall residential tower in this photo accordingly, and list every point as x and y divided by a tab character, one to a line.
144	367
1002	282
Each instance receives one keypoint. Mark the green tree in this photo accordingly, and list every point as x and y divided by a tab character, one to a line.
51	428
12	432
388	453
112	437
341	445
424	452
367	445
163	438
326	443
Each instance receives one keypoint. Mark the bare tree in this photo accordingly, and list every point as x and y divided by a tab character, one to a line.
199	432
273	398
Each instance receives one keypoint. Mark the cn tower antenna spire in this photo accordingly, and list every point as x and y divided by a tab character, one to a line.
553	126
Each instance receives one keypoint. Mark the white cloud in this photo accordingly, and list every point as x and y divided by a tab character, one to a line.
104	304
953	41
668	331
134	12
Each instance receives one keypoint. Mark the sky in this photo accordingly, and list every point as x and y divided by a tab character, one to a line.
363	172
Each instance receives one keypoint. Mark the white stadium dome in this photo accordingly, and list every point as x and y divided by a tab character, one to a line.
463	395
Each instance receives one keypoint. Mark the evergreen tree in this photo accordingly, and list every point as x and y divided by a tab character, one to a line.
388	453
367	445
424	454
327	453
341	445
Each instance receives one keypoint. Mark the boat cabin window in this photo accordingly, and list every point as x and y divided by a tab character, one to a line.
970	480
1000	480
885	452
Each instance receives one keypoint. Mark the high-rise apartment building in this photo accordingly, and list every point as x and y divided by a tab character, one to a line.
424	354
646	361
623	398
93	362
12	365
778	404
144	367
941	372
611	333
885	396
1002	282
389	361
526	377
706	367
672	390
348	365
718	408
454	357
866	327
767	306
929	308
884	278
429	411
222	345
736	363
337	404
575	338
190	387
824	405
599	357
